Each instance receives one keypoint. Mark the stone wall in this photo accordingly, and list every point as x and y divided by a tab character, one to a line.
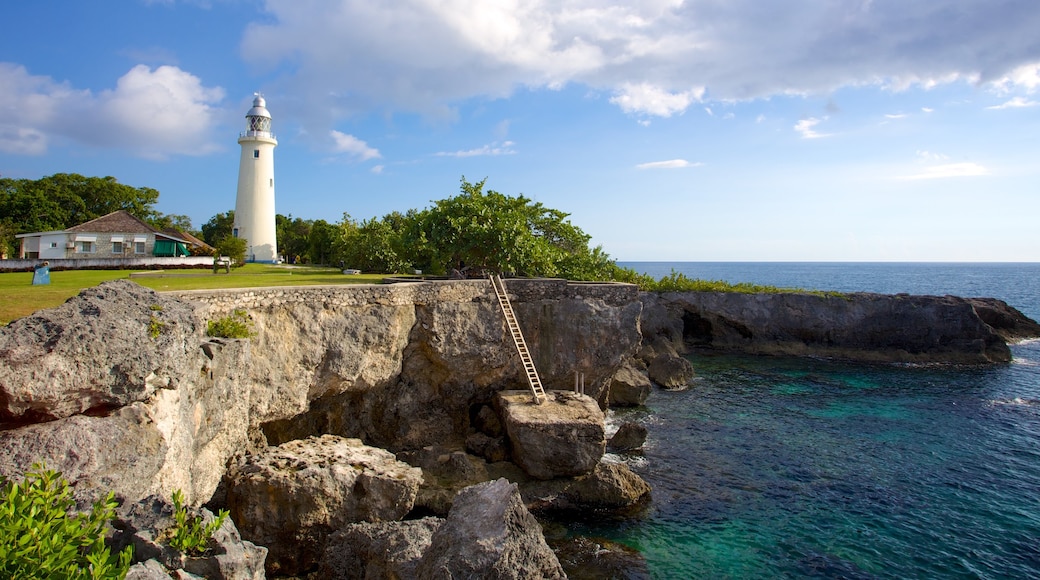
143	262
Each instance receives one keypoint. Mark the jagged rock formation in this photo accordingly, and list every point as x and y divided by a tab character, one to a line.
291	497
861	326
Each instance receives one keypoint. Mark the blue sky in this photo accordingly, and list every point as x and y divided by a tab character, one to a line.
702	130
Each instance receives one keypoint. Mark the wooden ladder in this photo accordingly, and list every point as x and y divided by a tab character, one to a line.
518	339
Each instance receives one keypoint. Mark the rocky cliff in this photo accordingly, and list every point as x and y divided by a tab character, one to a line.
860	326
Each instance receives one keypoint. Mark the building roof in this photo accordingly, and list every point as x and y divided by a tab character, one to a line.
174	232
117	222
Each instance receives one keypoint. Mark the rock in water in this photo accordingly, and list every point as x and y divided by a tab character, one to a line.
293	496
629	387
489	534
671	372
628	437
562	437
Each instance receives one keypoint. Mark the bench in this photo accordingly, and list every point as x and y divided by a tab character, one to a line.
222	262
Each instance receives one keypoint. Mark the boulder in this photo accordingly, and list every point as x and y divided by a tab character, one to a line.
629	436
671	372
445	472
561	437
491	449
629	387
489	534
377	550
291	497
110	346
611	486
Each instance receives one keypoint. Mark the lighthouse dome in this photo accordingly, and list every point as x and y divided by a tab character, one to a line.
259	108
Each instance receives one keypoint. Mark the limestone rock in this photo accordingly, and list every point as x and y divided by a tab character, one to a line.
671	372
629	387
489	534
110	346
291	497
561	437
377	550
629	436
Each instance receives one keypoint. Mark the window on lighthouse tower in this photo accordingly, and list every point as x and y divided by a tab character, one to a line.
256	154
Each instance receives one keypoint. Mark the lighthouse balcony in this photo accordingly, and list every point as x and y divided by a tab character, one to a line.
263	134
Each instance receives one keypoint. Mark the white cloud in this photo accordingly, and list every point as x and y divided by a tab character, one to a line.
896	116
670	164
154	113
1015	103
927	110
929	157
652	100
426	55
949	170
805	128
351	145
504	148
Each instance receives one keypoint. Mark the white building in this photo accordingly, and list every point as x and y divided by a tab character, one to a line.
254	204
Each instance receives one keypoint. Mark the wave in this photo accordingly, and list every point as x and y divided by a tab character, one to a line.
1016	402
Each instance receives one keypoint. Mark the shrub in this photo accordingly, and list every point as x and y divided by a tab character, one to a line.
155	327
40	539
190	535
236	325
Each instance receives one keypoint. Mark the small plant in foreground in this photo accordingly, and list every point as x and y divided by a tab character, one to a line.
40	539
155	327
190	535
236	325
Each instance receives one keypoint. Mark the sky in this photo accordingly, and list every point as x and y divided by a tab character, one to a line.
669	130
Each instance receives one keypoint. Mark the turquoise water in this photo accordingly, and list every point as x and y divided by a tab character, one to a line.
799	468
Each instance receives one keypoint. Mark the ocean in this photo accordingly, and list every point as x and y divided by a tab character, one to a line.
772	467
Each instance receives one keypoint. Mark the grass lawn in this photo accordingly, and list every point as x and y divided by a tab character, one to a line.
18	297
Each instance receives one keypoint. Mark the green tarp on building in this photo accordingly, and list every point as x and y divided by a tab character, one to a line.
169	248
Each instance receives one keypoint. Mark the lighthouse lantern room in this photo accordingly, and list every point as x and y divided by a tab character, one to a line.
254	204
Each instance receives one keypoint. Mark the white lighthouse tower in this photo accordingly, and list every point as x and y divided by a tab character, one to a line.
254	205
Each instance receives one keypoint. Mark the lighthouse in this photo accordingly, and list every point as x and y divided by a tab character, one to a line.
254	205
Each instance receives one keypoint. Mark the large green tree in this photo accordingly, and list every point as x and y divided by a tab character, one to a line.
218	227
481	230
62	200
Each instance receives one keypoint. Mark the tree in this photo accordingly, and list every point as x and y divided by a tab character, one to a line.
218	227
481	230
62	200
293	235
234	248
164	221
320	242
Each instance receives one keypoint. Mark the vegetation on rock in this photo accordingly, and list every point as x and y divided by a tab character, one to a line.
41	538
189	534
235	325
